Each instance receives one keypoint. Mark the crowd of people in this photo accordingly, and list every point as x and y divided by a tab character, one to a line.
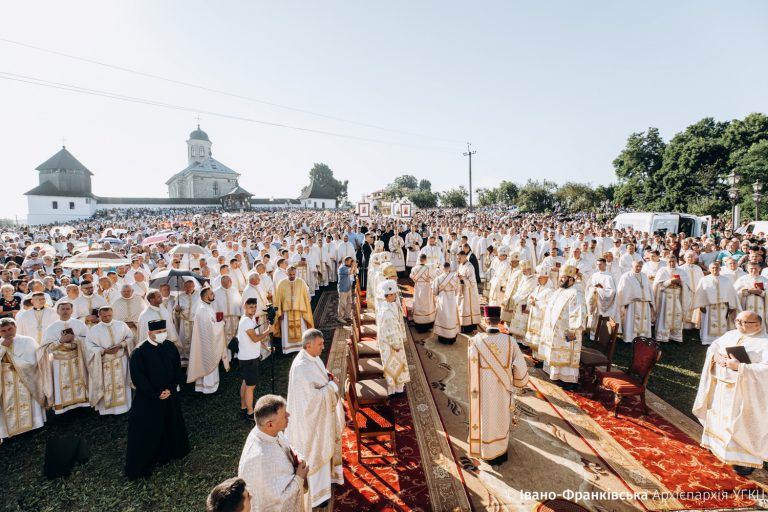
120	311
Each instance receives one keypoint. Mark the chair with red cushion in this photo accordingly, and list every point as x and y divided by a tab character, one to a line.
605	338
645	354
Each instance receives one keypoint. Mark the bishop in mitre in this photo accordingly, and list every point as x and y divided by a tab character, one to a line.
107	347
61	359
391	337
208	346
731	399
469	296
715	300
294	311
315	404
526	283
496	369
564	321
21	398
538	301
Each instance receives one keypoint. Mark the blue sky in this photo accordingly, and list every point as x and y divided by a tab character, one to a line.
545	89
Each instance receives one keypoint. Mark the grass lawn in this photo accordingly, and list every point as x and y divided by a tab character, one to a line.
216	433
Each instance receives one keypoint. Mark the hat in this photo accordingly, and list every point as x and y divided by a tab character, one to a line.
492	311
515	256
524	264
156	325
388	269
542	272
570	271
503	250
387	288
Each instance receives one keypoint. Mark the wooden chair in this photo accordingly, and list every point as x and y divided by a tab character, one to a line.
368	391
366	347
605	338
374	421
645	354
367	367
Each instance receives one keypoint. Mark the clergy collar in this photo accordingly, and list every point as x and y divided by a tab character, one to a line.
151	342
492	329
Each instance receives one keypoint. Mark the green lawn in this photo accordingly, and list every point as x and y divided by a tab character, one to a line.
216	433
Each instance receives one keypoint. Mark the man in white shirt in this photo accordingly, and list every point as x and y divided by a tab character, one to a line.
253	341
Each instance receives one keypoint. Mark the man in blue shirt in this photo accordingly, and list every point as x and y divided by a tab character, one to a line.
345	286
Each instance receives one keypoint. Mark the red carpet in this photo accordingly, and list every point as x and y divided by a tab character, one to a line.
378	486
670	455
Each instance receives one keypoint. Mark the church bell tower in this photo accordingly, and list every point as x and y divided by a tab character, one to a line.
198	146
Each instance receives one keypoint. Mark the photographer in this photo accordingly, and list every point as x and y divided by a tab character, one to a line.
253	340
345	286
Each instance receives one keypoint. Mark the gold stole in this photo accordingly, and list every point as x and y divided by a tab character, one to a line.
16	398
639	320
72	384
114	376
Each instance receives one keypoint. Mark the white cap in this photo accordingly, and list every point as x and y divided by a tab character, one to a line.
387	287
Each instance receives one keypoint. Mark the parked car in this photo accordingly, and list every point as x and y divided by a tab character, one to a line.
664	222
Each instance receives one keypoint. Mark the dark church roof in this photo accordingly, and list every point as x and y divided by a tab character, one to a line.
199	135
47	188
208	165
63	160
238	191
315	191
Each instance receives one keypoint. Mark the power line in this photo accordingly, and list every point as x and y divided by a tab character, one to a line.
133	99
216	91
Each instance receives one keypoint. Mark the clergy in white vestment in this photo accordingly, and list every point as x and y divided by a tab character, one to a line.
61	359
304	268
499	277
627	259
315	403
730	402
413	241
672	297
652	266
208	346
469	296
273	470
186	307
391	338
87	304
507	304
694	272
155	311
344	249
445	288
601	297
496	369
396	245
635	303
229	302
378	258
423	299
127	308
107	347
750	289
330	259
435	255
33	322
255	290
22	399
525	284
564	322
294	311
538	301
716	302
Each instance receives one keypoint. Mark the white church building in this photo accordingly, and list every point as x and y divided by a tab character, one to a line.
64	190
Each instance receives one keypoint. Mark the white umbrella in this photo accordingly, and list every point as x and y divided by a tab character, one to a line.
41	249
96	259
189	249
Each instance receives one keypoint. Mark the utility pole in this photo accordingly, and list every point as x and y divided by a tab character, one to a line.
469	153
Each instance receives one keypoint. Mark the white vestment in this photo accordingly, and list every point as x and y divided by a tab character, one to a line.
109	388
413	241
635	302
85	305
128	311
469	297
518	322
20	395
156	313
731	404
34	322
496	367
229	302
65	381
207	348
499	277
447	322
186	318
717	296
314	398
423	300
566	312
695	274
672	302
391	338
752	302
601	300
538	301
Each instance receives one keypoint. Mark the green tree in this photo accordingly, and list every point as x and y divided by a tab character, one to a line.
507	193
423	198
425	185
578	197
751	166
454	198
406	181
322	176
487	196
537	196
636	168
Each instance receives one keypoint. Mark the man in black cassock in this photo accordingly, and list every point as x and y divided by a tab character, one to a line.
156	430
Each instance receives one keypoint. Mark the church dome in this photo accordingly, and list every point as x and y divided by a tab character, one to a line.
199	135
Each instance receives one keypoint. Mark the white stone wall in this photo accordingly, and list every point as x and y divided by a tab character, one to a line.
40	209
318	204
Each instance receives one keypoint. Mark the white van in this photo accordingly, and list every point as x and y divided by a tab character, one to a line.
653	222
756	227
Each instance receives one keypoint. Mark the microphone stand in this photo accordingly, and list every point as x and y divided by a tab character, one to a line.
271	356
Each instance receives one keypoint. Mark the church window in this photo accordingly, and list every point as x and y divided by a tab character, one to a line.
215	188
323	205
55	205
71	205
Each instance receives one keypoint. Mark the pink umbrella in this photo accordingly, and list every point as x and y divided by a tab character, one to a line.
154	239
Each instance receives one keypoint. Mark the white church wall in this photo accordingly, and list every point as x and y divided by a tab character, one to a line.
50	209
318	204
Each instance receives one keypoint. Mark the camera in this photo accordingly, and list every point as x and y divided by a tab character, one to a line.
271	312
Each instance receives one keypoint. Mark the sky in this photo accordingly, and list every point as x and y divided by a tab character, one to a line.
542	90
